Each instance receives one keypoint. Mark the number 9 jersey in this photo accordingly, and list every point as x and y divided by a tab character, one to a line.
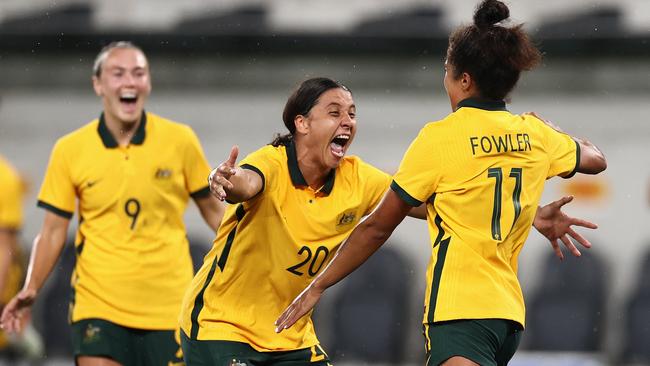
133	261
481	172
269	248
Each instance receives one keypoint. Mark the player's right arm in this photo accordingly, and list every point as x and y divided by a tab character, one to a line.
233	183
45	253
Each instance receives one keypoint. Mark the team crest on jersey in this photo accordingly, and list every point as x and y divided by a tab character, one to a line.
91	334
236	362
346	218
162	173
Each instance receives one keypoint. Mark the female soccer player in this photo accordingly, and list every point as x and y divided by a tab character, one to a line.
481	172
130	173
294	202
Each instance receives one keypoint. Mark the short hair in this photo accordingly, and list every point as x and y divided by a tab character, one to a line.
103	54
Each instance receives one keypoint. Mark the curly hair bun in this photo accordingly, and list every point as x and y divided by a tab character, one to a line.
490	12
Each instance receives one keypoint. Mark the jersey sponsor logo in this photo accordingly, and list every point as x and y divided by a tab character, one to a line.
346	218
162	173
91	334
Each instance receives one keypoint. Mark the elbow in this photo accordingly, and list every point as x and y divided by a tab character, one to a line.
376	234
593	163
598	165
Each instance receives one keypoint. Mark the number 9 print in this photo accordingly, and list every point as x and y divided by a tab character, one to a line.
132	210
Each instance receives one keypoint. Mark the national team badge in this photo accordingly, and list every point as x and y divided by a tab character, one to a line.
91	334
346	218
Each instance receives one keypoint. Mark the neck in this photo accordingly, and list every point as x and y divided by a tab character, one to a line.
314	173
122	131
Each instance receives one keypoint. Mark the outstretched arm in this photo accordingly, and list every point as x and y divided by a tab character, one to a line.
362	243
45	252
233	183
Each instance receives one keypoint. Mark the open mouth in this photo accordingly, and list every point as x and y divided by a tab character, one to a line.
338	145
128	98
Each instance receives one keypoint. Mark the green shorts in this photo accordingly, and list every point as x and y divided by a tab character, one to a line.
228	353
128	346
488	342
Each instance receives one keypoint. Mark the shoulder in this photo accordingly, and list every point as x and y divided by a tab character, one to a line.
270	152
168	126
80	136
8	173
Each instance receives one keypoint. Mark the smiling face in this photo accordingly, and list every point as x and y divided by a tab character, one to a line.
329	128
123	84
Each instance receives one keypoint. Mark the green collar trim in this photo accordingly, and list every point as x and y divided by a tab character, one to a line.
108	139
296	175
486	104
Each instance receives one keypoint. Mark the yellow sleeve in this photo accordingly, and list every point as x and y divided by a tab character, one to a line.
563	153
195	167
418	175
11	195
265	162
376	183
57	193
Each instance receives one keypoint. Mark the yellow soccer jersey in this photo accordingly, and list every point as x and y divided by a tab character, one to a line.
133	262
11	195
481	171
268	249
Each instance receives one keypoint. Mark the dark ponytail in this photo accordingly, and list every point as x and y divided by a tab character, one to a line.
300	102
493	55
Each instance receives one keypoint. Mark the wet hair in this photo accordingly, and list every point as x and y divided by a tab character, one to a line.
301	101
103	54
492	54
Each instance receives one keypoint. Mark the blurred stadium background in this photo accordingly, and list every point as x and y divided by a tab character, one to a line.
225	67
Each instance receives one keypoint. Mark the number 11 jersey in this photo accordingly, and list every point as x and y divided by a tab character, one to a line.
481	172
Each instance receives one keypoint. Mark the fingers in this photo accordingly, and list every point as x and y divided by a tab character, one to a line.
10	320
569	244
583	223
287	319
232	159
575	235
562	201
556	249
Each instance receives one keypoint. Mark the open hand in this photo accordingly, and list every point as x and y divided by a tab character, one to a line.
300	306
554	224
17	311
219	177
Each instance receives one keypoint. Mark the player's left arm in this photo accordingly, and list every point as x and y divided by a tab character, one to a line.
211	210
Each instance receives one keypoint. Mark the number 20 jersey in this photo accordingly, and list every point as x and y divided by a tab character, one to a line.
133	261
481	171
269	248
